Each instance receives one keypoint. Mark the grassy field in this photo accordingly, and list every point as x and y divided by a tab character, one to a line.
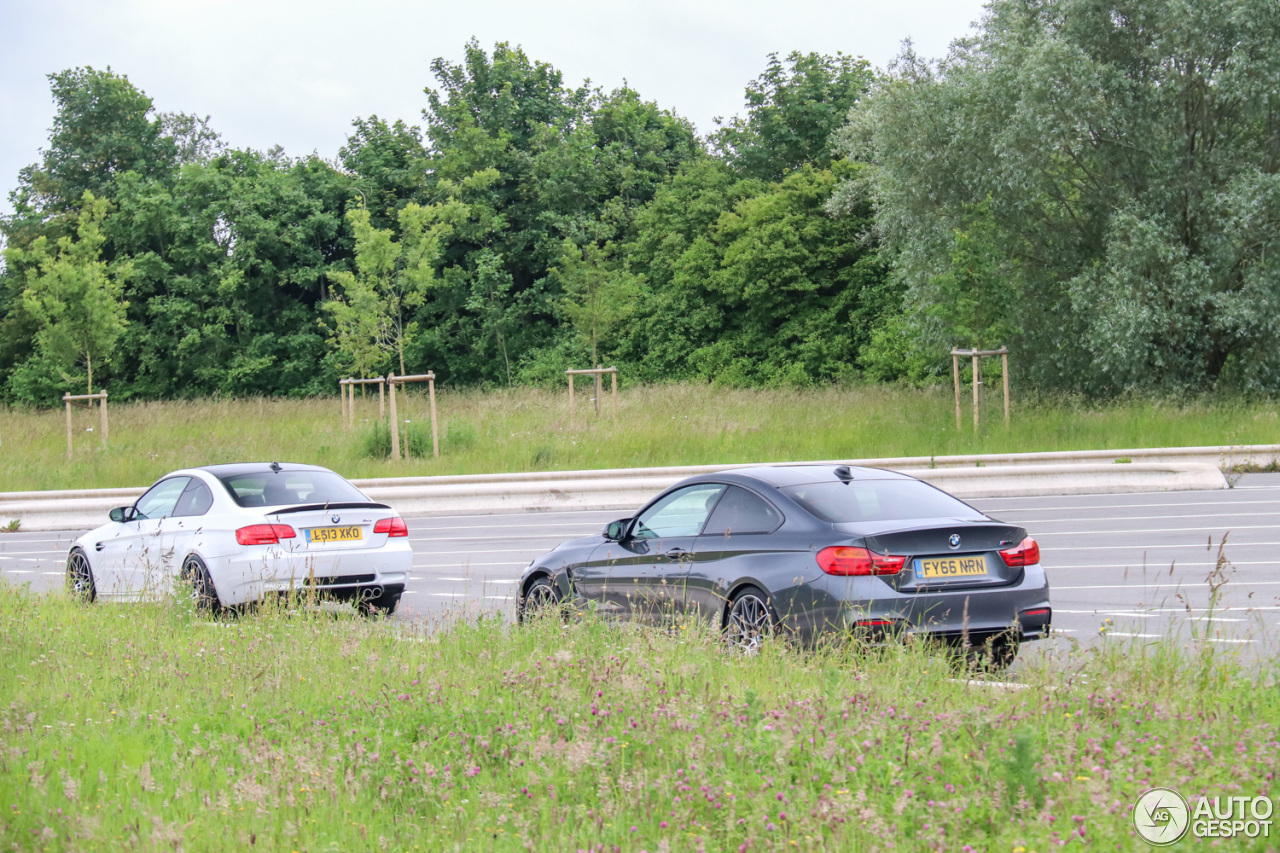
148	728
526	429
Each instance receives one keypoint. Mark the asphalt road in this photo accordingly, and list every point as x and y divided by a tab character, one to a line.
1122	567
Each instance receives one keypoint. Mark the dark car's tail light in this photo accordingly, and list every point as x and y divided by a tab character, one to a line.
1026	554
392	527
846	560
264	534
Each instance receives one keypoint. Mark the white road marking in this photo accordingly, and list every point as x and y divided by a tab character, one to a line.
1228	640
516	563
1128	635
542	526
1160	568
1229	527
1156	585
560	536
491	551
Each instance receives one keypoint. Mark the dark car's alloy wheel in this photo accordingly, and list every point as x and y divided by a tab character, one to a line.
80	577
541	597
749	622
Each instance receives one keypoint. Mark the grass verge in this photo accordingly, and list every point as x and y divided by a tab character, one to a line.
147	728
528	429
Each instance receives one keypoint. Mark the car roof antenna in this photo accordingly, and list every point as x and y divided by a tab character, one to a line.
275	466
844	474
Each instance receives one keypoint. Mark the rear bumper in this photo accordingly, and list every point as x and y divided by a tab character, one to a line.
838	606
344	574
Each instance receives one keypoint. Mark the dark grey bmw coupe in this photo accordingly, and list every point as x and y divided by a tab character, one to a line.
811	552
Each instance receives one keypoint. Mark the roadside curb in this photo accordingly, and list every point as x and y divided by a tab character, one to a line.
1004	475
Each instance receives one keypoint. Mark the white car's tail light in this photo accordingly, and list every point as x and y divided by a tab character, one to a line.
264	534
392	527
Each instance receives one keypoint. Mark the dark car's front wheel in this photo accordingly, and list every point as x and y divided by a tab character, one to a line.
749	621
80	583
541	597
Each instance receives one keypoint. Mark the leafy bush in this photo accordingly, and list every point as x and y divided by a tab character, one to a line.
458	435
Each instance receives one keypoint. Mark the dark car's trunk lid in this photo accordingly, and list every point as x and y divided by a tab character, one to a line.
946	555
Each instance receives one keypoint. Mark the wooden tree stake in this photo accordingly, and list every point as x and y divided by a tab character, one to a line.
955	373
435	433
395	423
1004	372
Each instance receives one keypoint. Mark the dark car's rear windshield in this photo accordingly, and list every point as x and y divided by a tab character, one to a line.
291	487
878	500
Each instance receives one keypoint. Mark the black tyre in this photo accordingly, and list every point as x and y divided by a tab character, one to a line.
541	597
80	585
749	620
202	590
384	603
994	655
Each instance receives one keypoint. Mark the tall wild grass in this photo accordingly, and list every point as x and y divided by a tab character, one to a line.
149	728
529	429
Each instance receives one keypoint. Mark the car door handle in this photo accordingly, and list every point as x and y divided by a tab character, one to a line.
677	554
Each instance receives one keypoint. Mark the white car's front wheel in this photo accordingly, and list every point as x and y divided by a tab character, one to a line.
80	585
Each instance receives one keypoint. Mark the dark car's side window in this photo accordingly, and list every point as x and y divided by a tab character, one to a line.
161	498
196	500
741	511
681	513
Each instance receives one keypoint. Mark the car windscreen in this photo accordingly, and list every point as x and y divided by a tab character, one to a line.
878	500
284	488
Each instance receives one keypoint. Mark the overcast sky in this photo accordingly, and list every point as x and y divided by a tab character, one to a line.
296	72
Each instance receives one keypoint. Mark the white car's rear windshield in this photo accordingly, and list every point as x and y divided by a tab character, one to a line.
878	500
286	488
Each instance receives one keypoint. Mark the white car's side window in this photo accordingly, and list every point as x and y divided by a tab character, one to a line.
161	498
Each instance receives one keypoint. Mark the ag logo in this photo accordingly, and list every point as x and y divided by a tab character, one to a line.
1161	816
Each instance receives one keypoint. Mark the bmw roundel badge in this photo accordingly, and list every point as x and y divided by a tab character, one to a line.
954	541
336	518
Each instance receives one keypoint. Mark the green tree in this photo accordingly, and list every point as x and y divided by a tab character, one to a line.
390	281
1124	156
755	283
102	128
599	294
73	296
792	110
389	164
555	163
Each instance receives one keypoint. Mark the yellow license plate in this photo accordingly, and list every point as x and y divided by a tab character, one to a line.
951	567
334	534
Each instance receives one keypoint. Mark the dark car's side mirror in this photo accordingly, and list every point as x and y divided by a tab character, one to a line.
121	513
616	529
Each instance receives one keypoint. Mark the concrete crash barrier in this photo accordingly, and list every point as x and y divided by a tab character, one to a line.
1007	481
629	488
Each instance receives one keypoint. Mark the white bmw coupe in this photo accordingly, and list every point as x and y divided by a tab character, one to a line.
236	533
